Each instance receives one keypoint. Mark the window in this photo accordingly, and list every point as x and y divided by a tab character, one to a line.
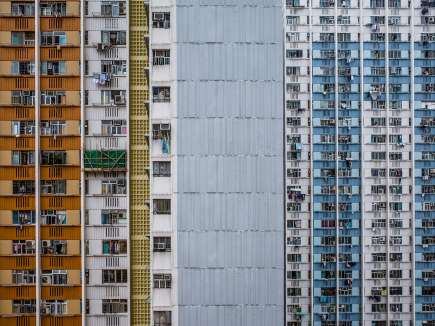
22	9
162	318
113	187
23	97
327	20
397	273
55	9
294	258
23	187
396	307
293	20
53	38
113	217
162	244
396	290
116	97
54	247
113	127
54	277
52	127
23	127
53	157
23	247
294	173
162	169
22	38
22	68
113	37
53	307
53	187
378	155
23	306
294	275
294	54
379	257
114	276
379	274
379	307
22	158
114	306
293	224
115	67
378	139
52	217
162	281
53	68
395	256
395	156
294	292
23	277
162	206
113	8
161	20
161	57
114	247
161	94
52	97
23	217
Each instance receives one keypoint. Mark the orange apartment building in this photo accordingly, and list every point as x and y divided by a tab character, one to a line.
40	233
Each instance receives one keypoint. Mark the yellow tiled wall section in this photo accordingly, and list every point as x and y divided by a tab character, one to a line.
139	166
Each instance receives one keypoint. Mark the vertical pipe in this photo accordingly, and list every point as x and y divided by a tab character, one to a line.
337	216
412	106
362	165
82	173
311	61
37	163
387	172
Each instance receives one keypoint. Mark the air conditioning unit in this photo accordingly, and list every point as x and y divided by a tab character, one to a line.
161	246
45	279
165	126
158	16
119	99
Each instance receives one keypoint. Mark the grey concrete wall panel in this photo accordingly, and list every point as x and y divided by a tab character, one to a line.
230	223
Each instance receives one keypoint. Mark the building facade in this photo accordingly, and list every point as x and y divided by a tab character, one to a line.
359	162
244	162
217	159
74	142
40	163
98	163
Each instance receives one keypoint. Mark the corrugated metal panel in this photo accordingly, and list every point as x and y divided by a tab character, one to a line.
229	162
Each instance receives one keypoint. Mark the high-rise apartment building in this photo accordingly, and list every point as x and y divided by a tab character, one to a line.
40	234
360	146
141	163
209	162
217	159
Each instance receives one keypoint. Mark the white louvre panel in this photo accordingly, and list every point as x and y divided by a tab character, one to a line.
105	143
107	291
116	82
106	23
106	112
118	320
104	232
113	53
106	202
98	311
102	262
